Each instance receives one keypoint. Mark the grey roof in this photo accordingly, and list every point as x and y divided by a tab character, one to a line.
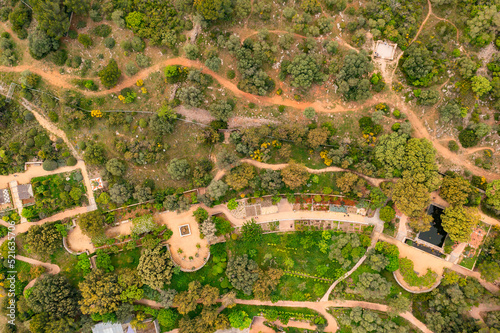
107	328
25	191
4	196
130	330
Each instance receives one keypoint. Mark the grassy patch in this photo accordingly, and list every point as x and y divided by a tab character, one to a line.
67	262
409	275
469	262
126	259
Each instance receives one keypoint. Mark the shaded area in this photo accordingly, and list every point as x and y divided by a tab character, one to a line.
436	233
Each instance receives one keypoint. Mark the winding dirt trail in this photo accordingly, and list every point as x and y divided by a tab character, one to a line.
476	311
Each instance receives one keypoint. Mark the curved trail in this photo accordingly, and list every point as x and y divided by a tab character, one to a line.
476	311
320	307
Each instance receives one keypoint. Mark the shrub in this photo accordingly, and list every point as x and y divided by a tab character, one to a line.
395	127
71	161
49	165
231	74
468	138
102	30
192	51
138	44
453	146
409	275
109	42
131	69
85	40
81	24
72	34
142	60
309	113
59	57
110	74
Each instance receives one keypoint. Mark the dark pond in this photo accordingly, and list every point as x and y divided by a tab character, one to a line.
436	234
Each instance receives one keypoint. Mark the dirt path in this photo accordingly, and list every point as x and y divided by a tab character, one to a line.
50	126
429	13
262	165
259	327
476	311
50	268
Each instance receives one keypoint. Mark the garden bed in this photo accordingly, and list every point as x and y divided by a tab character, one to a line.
55	193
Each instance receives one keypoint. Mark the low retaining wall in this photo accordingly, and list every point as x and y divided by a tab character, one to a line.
403	284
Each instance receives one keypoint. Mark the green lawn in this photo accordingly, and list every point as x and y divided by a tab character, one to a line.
126	259
67	262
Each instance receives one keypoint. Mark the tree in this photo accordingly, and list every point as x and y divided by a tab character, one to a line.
43	239
226	159
51	16
455	190
119	193
347	181
420	161
161	125
92	223
54	294
186	301
178	168
468	138
267	283
221	109
251	232
451	111
101	293
377	261
467	68
309	113
428	97
239	319
271	181
398	304
318	137
116	167
373	286
304	70
94	154
217	189
352	78
209	295
459	221
167	318
387	214
190	96
110	74
155	267
85	40
40	44
410	196
240	176
242	273
421	223
79	7
493	194
481	85
213	10
208	229
142	193
418	65
490	271
295	175
49	165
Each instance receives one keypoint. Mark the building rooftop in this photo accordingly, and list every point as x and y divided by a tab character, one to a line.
107	328
4	196
25	191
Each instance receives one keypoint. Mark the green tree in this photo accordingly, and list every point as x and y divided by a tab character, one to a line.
217	189
398	304
101	293
455	190
221	109
213	10
178	168
116	167
318	137
490	271
92	223
387	214
352	78
240	176
85	40
459	221
481	85
167	318
94	154
43	239
295	175
54	294
40	44
251	232
347	181
309	113
373	286
410	196
418	65
78	7
305	71
119	193
493	194
239	319
110	74
242	273
155	267
51	17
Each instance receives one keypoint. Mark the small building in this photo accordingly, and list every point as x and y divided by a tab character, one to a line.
25	192
385	50
111	328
